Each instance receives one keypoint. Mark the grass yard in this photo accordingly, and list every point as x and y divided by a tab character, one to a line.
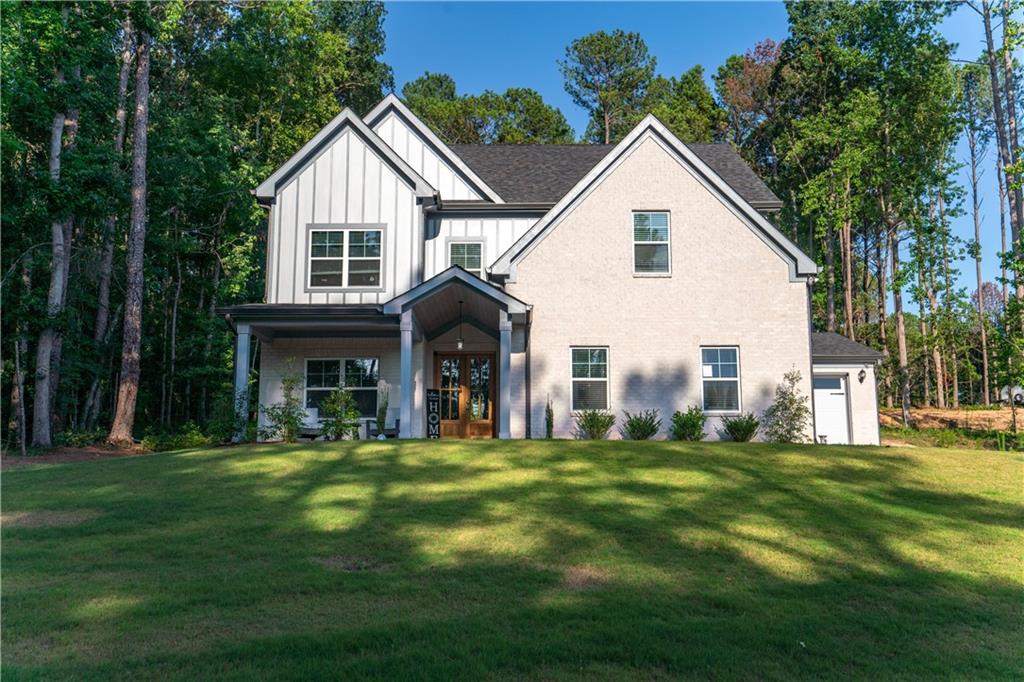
526	560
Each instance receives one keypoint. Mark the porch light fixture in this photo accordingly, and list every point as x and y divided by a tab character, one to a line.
459	342
862	375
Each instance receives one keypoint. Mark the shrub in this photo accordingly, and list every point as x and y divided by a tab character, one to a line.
688	425
549	421
189	435
383	395
78	439
641	426
226	417
593	424
741	428
339	415
284	419
787	419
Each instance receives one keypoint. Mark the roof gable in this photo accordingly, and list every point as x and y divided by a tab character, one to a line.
800	265
267	190
392	105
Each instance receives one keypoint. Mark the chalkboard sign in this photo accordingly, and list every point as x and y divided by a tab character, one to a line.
433	413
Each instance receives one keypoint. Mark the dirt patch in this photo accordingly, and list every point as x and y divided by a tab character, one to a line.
934	418
584	577
47	519
62	455
350	564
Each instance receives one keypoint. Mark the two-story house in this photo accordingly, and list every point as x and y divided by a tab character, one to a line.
622	277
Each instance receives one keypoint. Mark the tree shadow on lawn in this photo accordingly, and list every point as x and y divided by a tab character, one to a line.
724	561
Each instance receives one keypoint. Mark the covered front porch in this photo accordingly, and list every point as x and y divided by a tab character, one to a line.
452	334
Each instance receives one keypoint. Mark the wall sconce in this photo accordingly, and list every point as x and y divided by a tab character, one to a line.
460	342
862	375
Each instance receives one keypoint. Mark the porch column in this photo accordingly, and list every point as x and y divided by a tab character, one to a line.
504	370
242	335
405	378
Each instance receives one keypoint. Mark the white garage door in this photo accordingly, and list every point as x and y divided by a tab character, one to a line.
830	411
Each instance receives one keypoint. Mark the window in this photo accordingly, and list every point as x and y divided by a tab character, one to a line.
468	256
720	372
828	383
650	243
589	379
345	258
359	375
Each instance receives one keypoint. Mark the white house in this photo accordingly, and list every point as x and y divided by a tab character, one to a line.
508	277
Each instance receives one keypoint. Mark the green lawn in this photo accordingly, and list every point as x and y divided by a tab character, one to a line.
526	560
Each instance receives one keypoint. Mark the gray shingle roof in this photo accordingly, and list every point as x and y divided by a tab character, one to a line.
543	173
832	347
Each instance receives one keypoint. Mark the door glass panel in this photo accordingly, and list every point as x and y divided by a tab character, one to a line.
451	369
480	388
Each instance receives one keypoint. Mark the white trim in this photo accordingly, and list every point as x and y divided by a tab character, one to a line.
399	303
607	378
667	243
800	264
393	103
466	240
345	258
738	379
341	380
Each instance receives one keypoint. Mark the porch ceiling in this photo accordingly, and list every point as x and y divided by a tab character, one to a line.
439	312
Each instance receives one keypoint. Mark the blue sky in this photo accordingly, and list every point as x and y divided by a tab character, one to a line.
497	45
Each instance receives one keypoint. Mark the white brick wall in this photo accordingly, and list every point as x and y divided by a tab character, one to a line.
727	288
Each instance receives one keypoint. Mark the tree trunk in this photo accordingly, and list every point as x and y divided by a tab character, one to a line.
865	276
41	413
1010	86
607	125
846	254
1004	281
901	329
830	279
1013	196
128	384
880	250
99	335
20	347
926	374
972	147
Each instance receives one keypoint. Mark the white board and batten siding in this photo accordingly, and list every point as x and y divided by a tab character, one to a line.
497	234
424	160
347	184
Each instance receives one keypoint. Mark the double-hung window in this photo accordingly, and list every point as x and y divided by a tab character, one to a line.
720	374
342	258
467	255
358	375
589	379
651	243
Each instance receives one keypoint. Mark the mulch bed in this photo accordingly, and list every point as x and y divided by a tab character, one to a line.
62	455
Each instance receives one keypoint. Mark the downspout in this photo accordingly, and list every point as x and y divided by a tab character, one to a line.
526	379
810	357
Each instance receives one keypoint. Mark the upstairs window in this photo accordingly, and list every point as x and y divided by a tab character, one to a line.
345	258
720	376
589	379
468	256
650	243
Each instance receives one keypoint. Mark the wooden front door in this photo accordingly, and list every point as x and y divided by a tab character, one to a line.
466	382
